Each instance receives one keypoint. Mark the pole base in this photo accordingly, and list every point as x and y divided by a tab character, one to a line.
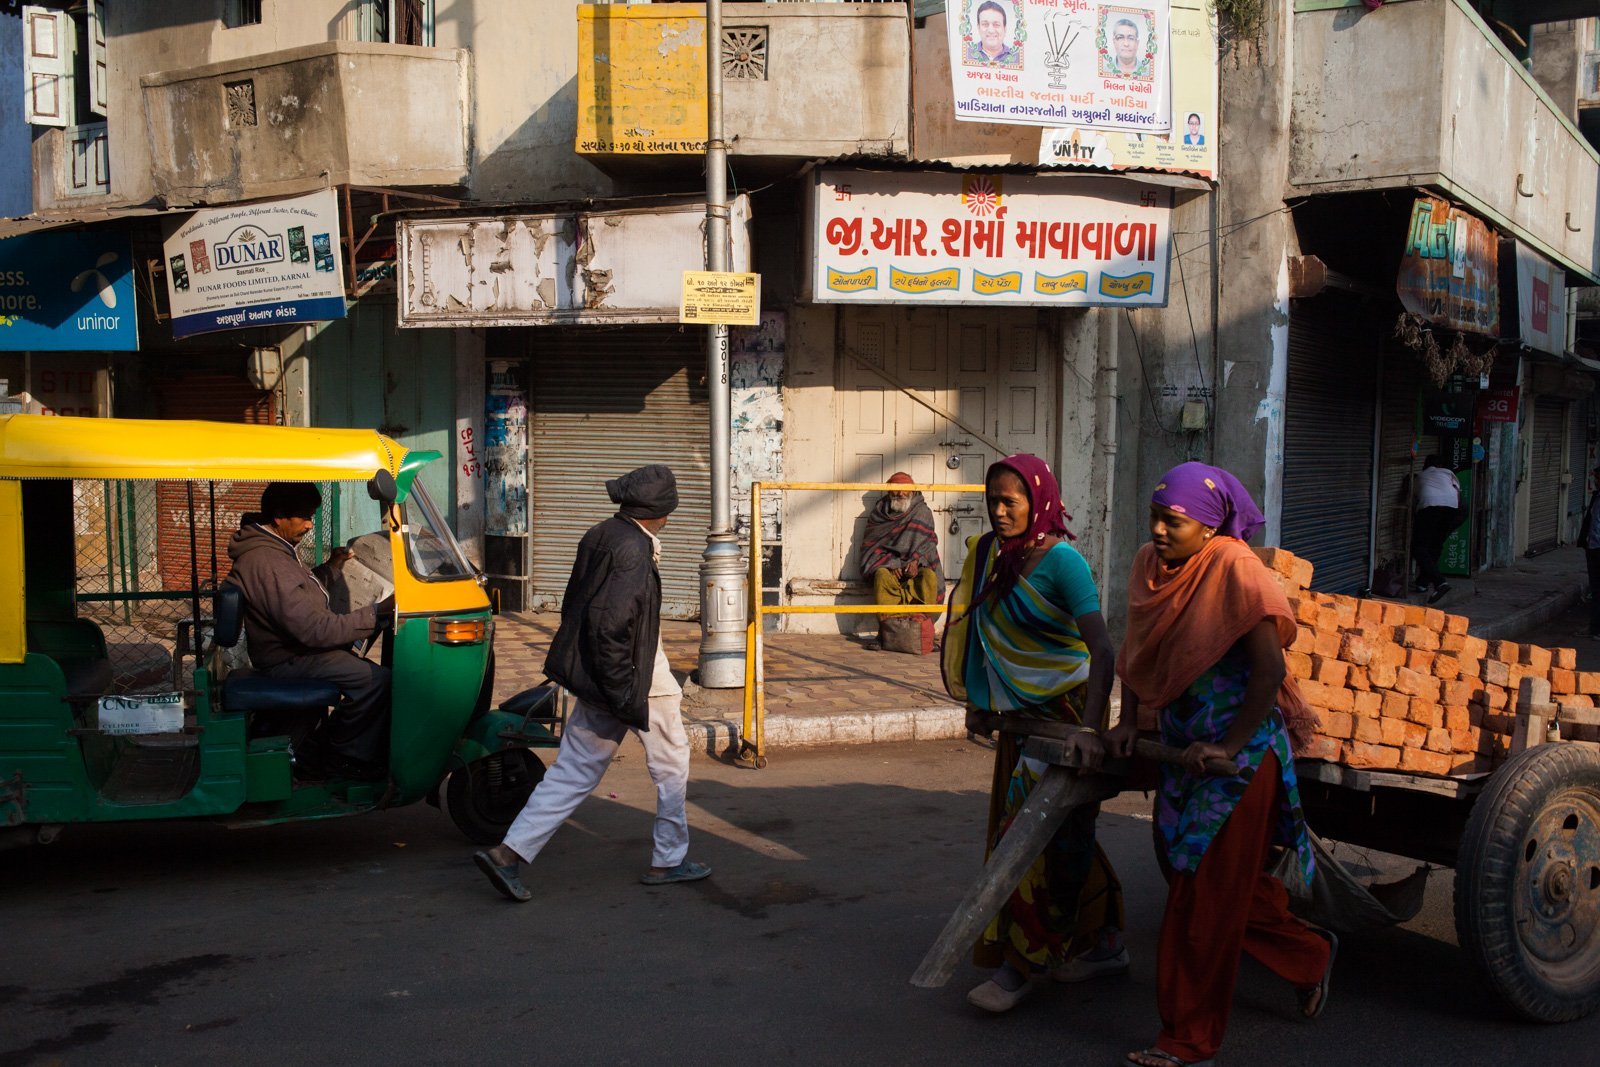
721	670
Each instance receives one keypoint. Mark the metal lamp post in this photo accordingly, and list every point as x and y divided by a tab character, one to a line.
723	583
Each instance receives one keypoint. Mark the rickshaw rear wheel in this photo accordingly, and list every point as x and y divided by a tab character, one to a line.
486	795
1528	883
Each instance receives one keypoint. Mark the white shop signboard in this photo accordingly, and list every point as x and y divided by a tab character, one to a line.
265	264
574	267
937	238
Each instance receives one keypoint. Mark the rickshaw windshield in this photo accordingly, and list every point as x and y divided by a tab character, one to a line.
432	550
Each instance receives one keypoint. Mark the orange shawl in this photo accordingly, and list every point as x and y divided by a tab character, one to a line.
1181	623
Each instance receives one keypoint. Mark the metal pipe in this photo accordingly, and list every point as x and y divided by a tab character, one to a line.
717	256
884	487
723	596
194	575
749	752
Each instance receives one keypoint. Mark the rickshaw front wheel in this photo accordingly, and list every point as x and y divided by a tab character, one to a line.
486	795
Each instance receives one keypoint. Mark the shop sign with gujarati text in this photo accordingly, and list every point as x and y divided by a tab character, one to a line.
939	238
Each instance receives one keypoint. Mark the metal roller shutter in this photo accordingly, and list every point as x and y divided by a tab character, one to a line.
1399	454
604	401
1577	467
1544	471
1327	444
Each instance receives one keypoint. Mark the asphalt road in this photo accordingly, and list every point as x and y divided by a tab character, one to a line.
374	940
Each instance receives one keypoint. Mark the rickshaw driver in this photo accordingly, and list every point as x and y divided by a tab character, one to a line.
293	632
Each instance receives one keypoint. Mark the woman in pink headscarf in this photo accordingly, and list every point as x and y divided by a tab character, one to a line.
1027	640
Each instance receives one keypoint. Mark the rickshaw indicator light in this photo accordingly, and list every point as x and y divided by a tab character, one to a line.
458	631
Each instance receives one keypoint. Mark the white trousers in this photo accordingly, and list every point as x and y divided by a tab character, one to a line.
588	742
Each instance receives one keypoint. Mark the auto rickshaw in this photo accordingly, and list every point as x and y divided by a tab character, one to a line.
120	697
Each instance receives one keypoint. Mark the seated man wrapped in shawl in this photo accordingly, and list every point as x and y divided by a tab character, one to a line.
900	549
1027	640
1207	626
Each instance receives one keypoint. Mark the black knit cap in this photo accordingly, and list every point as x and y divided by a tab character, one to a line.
647	493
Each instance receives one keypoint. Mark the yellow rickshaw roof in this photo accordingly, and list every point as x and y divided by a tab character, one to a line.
47	446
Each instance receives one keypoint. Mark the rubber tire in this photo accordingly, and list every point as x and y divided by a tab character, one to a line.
1492	849
486	795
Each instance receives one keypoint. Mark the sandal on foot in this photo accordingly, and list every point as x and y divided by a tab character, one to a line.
503	878
687	871
1320	990
1164	1058
992	996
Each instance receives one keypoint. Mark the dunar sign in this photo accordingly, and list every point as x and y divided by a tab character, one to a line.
67	291
1096	66
935	238
258	265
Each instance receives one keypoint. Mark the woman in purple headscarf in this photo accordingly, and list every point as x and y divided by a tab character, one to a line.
1207	626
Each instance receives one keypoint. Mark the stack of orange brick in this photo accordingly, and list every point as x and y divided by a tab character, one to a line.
1405	687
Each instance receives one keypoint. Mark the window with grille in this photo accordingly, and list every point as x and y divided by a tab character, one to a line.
243	13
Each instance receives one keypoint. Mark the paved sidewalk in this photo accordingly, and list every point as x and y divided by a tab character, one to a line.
833	689
821	688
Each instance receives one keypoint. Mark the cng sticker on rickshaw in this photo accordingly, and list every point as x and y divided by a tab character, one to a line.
126	686
155	713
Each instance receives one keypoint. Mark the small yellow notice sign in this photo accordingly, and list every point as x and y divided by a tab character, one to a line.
723	298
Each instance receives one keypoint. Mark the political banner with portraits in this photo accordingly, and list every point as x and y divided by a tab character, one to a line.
1095	66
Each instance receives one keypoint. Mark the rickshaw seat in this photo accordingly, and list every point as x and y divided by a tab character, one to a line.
87	678
246	693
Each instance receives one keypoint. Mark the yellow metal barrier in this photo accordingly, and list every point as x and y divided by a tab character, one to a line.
752	744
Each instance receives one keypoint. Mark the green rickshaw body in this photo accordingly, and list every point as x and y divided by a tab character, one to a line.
113	690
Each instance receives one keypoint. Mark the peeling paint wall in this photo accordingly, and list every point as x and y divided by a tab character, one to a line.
757	383
568	267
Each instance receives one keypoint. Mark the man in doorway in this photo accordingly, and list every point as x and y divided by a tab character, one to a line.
1438	501
292	631
607	652
900	549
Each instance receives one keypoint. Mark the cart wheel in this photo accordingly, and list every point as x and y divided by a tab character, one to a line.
1528	883
486	795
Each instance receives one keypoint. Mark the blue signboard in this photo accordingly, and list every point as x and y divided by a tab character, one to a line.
67	291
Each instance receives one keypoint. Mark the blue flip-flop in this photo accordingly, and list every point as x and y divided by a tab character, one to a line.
503	878
687	871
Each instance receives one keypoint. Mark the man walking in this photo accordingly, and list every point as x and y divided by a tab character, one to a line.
607	652
1589	538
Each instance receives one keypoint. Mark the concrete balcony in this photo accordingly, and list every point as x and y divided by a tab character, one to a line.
1422	94
304	118
800	81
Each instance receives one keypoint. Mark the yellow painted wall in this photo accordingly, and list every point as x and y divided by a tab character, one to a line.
641	79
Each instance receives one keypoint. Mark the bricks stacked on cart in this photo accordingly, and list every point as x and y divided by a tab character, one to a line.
1404	687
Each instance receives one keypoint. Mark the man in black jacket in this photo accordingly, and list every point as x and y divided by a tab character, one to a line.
607	652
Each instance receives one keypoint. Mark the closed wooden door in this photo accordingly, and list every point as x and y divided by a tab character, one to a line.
933	392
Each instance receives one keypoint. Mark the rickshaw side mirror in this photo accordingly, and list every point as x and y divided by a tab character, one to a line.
381	488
